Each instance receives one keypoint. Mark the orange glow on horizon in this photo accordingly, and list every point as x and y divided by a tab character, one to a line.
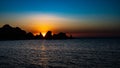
48	22
37	29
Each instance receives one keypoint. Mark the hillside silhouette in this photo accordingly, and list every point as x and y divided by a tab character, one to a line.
15	33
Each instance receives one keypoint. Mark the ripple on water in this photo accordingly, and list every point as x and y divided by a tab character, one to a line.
85	53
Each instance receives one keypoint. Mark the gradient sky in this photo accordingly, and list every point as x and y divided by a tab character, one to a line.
76	17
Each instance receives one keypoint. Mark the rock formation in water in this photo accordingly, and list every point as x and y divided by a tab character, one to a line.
40	36
60	35
15	33
9	33
48	35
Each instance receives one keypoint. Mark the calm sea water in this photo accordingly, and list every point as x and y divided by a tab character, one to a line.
77	53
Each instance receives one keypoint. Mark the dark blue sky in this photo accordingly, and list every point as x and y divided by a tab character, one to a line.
76	7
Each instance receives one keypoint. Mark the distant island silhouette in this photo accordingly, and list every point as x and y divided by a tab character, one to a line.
15	33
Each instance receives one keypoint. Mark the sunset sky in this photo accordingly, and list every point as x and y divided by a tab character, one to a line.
81	18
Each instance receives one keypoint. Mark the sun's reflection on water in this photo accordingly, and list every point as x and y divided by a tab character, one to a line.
43	56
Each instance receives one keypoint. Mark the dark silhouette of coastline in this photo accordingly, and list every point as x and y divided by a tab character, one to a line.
15	33
60	35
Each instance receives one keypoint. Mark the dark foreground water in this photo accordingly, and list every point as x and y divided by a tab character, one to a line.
77	53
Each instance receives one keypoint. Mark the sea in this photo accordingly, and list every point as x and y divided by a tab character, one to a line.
70	53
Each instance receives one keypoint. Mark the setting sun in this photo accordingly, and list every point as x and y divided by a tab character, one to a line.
43	33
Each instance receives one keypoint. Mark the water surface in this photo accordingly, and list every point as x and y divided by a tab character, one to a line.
77	53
